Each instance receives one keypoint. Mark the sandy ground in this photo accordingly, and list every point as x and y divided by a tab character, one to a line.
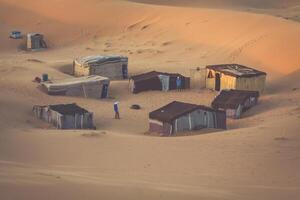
256	158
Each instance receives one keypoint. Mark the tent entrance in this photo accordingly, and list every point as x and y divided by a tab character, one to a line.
124	71
217	82
104	93
165	82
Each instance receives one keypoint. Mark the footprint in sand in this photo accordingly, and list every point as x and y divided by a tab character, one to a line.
135	25
236	53
167	43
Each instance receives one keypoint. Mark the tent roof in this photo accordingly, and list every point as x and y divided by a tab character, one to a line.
152	74
176	109
231	99
75	81
68	109
34	34
87	60
236	70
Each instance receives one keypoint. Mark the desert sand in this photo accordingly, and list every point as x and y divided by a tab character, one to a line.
256	158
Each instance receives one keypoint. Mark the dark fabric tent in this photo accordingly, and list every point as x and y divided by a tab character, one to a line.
157	81
235	101
178	117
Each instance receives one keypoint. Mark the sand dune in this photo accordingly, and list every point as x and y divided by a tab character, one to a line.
224	3
257	158
251	43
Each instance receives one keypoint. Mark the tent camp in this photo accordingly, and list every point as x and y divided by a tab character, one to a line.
88	86
111	66
234	76
157	81
35	41
235	102
65	116
179	117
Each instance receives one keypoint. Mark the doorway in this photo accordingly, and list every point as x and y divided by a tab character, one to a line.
217	82
104	93
124	71
165	80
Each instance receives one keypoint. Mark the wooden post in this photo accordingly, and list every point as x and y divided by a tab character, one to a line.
190	121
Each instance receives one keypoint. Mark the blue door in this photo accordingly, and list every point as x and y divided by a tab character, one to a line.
104	93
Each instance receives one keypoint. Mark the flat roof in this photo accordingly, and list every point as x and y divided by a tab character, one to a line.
231	99
236	70
152	74
68	109
86	60
176	109
75	81
34	34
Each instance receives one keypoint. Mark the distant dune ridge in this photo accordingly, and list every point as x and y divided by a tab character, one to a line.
222	3
256	158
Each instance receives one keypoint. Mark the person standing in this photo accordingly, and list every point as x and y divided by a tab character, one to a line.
178	83
116	109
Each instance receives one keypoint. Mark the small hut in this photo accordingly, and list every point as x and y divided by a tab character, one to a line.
235	102
88	86
35	41
65	116
111	66
234	76
157	81
179	117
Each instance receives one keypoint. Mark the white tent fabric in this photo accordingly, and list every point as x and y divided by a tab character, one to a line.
165	80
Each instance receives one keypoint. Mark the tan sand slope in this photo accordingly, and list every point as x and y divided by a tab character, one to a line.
198	34
257	158
227	3
288	9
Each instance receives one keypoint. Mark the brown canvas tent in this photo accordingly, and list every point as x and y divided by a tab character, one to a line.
88	86
157	81
179	117
65	116
234	76
235	102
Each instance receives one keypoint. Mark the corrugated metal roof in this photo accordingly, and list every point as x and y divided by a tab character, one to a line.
236	70
87	60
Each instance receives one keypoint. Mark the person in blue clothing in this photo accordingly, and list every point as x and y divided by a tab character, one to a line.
116	109
178	83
